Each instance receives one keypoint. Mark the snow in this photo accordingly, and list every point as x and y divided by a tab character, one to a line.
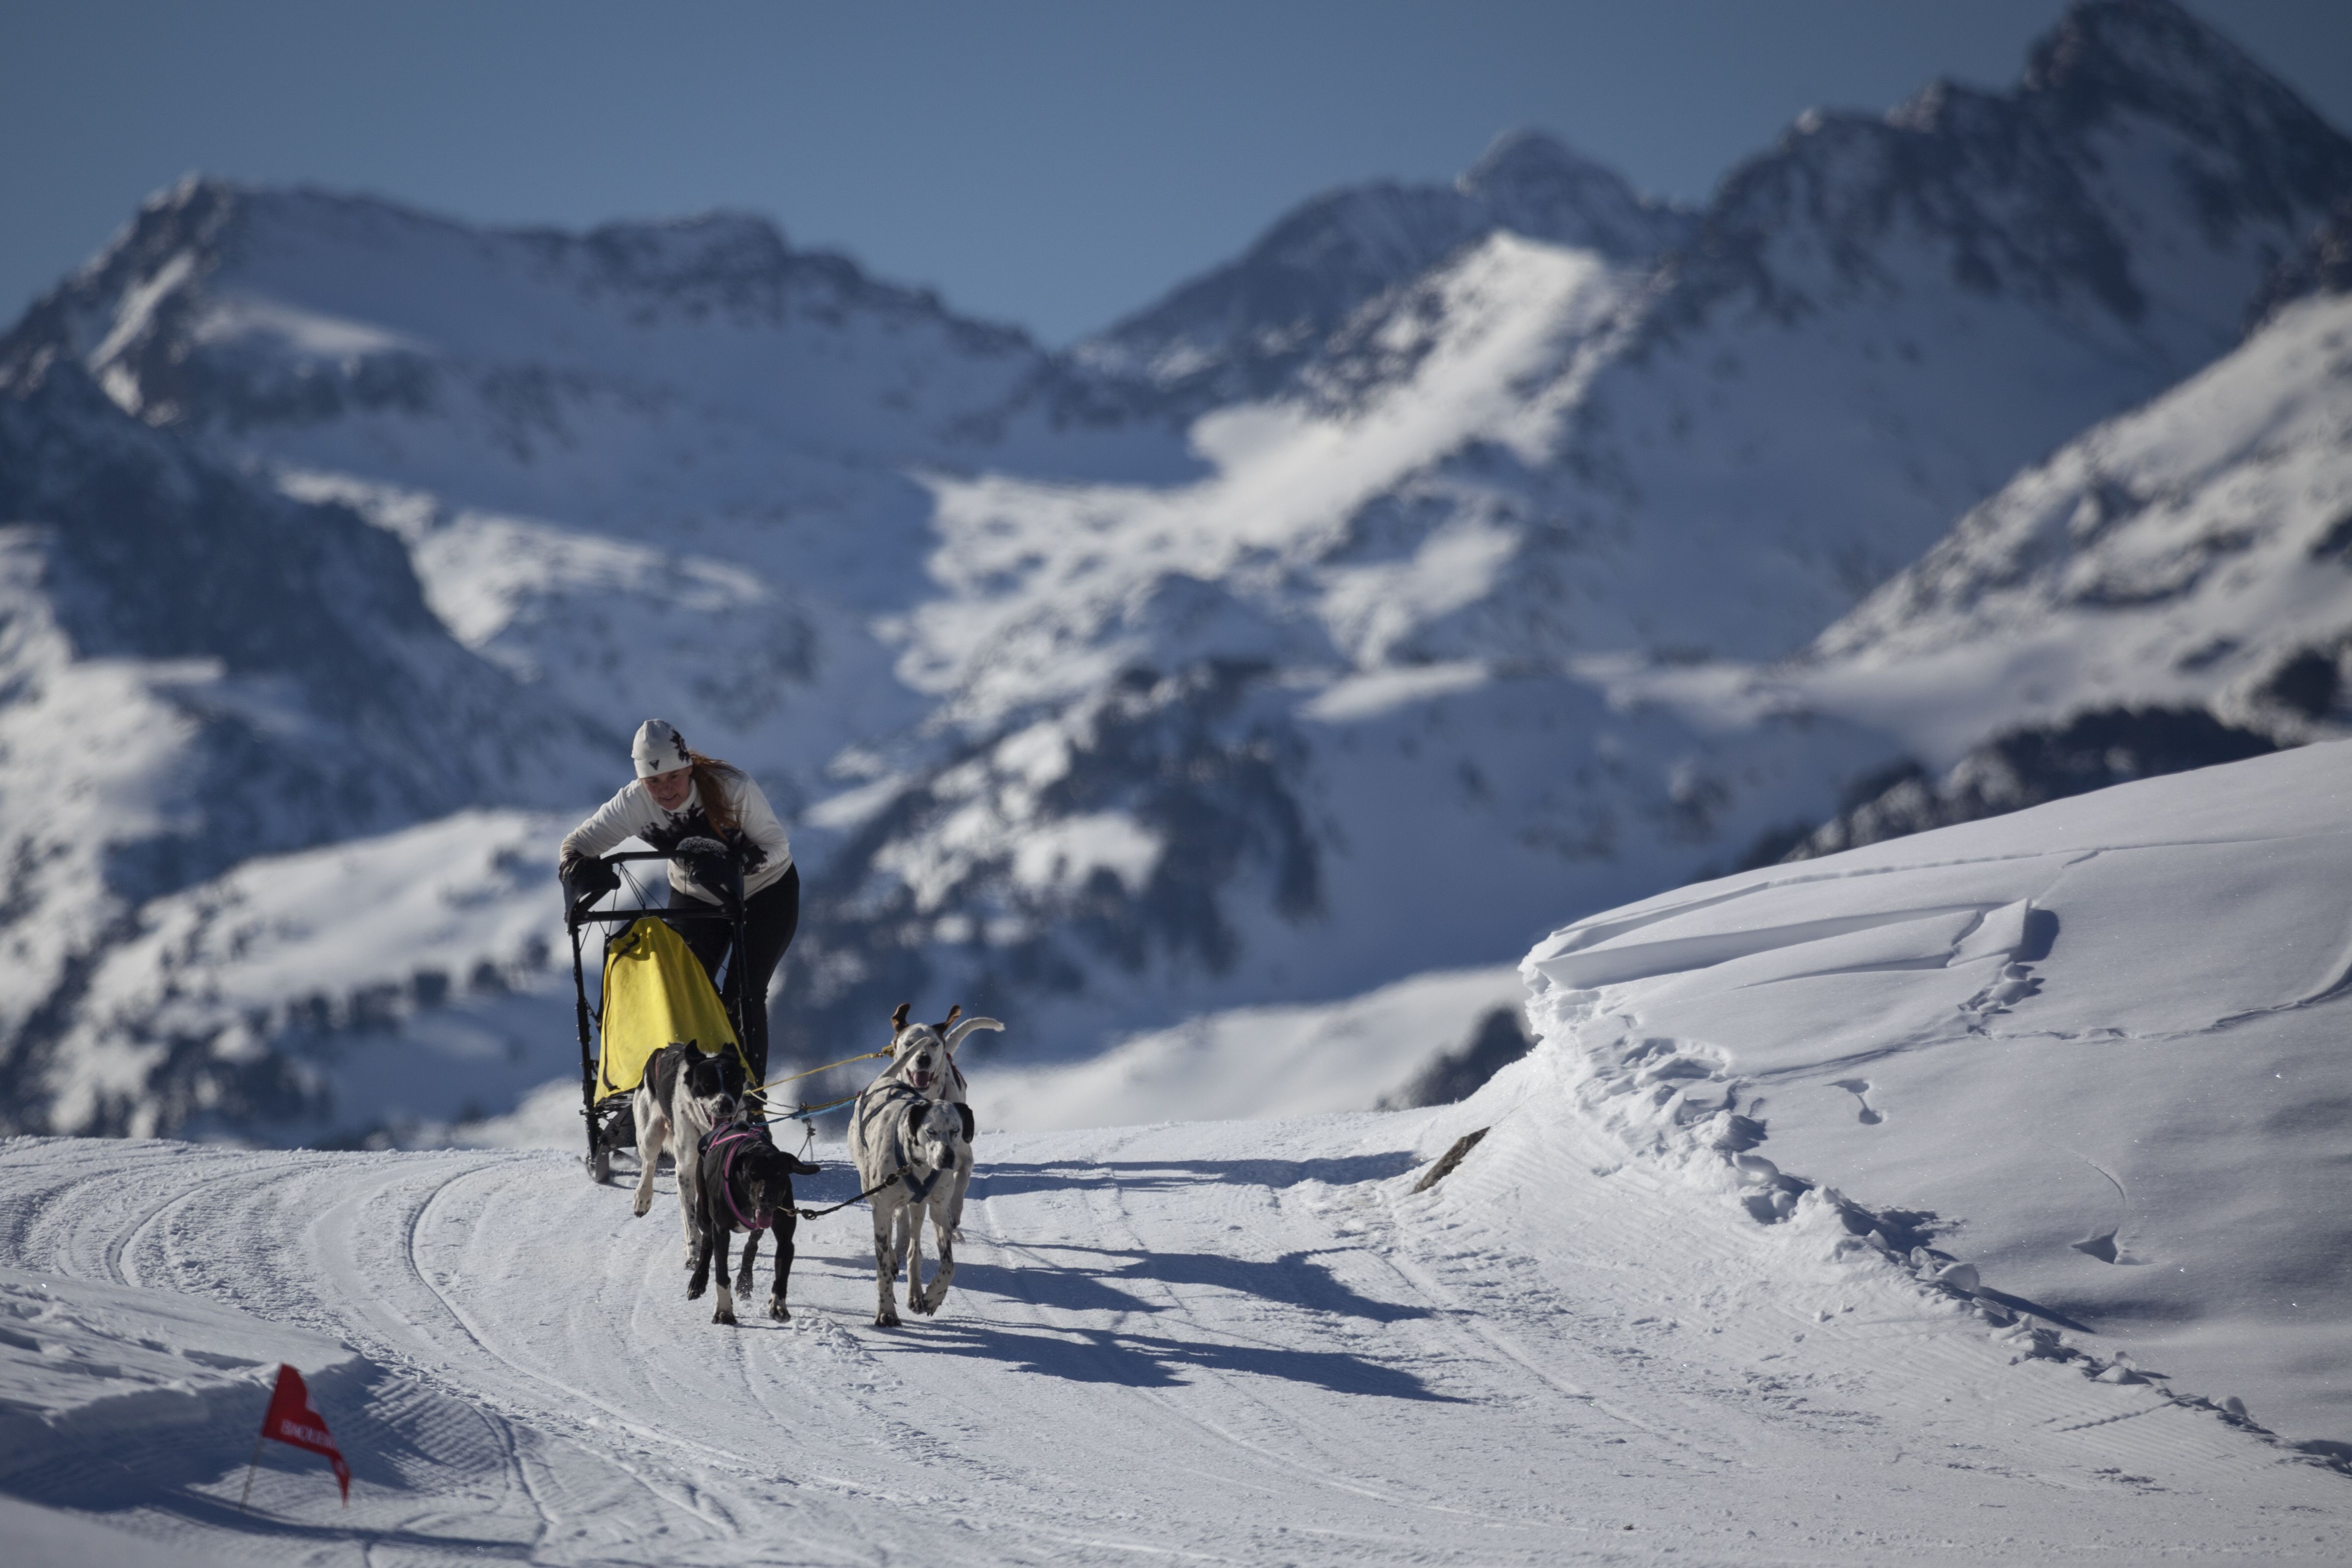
1239	1342
1070	852
407	976
83	1363
2098	1044
1380	691
1256	1062
47	1537
1050	588
1221	728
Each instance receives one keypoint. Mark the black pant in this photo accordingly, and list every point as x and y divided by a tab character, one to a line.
770	918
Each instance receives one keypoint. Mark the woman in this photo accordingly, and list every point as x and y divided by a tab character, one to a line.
679	794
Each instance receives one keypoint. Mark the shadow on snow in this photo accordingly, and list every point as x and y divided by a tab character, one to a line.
1151	1361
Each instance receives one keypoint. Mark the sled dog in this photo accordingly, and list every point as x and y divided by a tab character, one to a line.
683	1096
745	1183
915	1152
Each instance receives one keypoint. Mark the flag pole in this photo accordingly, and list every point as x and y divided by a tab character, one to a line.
249	1468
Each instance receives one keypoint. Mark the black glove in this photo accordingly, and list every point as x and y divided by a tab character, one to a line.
712	866
587	878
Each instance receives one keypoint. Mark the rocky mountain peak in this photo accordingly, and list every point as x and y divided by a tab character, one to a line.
711	250
1529	183
2270	152
2131	114
1246	329
2324	266
2139	51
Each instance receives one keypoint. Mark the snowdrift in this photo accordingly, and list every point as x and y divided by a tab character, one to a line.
2095	1051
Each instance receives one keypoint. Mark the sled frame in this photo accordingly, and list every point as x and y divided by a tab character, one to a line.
604	1118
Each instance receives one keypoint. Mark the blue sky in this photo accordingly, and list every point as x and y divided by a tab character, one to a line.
1051	164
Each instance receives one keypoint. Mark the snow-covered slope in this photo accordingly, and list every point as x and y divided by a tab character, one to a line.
1246	1342
199	670
380	986
2168	589
2094	1051
2192	554
1264	1062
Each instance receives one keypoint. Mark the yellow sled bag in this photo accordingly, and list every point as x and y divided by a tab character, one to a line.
656	994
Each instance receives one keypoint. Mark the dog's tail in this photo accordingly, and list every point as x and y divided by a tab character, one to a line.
955	1036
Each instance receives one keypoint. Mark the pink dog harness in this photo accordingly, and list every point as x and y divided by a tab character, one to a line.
737	1134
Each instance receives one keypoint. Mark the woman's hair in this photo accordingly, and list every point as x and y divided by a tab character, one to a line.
712	778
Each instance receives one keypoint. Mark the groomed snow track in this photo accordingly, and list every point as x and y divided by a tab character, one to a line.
1225	1342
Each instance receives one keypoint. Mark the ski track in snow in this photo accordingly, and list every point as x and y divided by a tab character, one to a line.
1236	1342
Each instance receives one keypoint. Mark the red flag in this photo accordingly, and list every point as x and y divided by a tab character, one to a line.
293	1419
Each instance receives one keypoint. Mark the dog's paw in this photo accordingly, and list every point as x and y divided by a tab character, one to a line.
723	1316
776	1310
643	1206
886	1320
693	1292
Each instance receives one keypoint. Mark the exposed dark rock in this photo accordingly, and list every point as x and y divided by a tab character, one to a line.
2009	186
1457	1075
2322	267
2029	766
1447	1163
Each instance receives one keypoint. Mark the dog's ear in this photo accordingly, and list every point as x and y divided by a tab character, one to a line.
898	1019
955	1011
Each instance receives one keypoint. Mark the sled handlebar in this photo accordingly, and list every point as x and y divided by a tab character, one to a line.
581	913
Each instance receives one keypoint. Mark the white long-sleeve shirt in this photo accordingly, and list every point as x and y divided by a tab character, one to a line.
766	852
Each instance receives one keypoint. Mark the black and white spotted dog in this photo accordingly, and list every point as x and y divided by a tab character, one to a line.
684	1094
745	1182
915	1153
922	1057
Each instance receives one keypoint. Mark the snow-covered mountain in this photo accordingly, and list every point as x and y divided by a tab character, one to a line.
2168	590
1415	660
655	469
1350	613
199	670
668	460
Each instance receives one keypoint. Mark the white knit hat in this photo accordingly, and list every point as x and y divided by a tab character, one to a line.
658	749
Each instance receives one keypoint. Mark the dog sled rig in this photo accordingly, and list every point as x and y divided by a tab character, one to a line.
655	992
